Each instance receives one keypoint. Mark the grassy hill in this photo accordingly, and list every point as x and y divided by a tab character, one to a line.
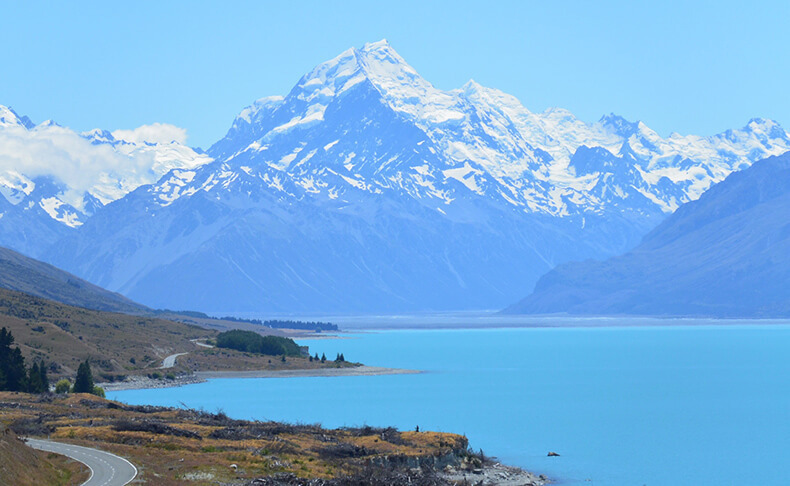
24	274
21	465
117	344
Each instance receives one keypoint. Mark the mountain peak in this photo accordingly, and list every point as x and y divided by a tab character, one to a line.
376	63
8	117
471	86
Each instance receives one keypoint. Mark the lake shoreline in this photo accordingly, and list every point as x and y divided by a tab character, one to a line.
144	382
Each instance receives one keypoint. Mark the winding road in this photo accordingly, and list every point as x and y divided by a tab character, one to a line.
106	469
170	361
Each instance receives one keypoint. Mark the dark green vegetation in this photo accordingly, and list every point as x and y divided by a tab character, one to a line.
14	375
84	381
725	255
287	324
252	342
271	323
23	274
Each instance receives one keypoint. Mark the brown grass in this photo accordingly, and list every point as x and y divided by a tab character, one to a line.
21	465
166	455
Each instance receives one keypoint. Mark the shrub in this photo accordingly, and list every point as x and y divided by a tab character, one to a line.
98	391
63	386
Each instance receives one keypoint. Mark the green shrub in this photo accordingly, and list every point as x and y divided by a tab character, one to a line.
98	391
63	386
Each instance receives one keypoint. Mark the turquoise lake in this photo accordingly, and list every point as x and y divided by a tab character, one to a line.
650	405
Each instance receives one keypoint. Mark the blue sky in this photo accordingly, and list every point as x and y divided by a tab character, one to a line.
698	68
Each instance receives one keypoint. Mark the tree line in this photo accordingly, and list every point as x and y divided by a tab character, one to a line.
286	324
16	376
252	342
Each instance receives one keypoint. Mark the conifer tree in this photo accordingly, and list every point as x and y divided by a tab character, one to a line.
15	372
42	369
84	381
34	384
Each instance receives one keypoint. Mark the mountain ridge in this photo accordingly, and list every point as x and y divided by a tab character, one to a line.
23	274
723	255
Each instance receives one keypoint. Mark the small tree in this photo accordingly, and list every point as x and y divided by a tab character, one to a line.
84	381
63	386
323	357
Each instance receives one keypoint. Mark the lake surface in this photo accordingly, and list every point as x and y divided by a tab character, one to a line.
675	405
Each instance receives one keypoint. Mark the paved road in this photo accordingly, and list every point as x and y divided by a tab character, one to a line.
202	345
106	469
170	361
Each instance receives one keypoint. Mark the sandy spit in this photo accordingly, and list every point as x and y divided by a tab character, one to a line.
142	382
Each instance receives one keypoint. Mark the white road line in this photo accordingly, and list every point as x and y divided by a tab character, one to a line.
94	459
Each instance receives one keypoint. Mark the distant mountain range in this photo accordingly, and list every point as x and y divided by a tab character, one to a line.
53	179
367	189
726	254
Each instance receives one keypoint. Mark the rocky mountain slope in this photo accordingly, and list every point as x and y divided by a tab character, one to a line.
367	189
726	254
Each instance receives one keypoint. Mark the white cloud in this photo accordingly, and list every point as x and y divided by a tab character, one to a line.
105	171
153	133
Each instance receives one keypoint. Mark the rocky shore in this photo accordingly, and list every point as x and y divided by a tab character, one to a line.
141	381
462	473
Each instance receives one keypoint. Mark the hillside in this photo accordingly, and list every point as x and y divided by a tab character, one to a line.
117	344
24	274
127	347
724	255
21	465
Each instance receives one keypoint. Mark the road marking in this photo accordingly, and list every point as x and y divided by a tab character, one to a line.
82	454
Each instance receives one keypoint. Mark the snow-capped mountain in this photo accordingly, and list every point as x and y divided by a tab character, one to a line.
52	179
368	189
486	141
